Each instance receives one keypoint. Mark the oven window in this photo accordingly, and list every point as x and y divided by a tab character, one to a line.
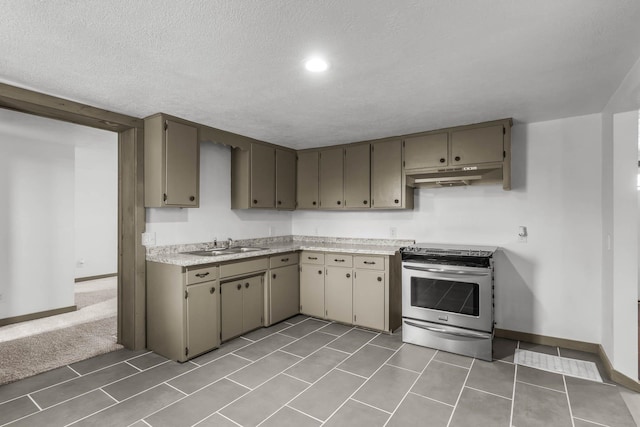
445	295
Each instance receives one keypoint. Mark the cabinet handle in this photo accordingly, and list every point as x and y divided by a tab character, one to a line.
212	290
202	274
312	257
348	275
369	262
284	259
339	202
457	158
442	160
246	285
339	260
279	202
379	279
319	271
273	277
364	202
255	202
314	203
396	201
239	286
192	198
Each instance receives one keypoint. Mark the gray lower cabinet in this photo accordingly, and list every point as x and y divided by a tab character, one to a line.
241	306
182	310
338	298
284	287
369	298
312	284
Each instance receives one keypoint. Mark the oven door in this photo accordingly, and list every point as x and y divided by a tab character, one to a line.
450	295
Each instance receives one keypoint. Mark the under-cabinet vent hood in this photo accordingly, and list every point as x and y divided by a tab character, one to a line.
456	176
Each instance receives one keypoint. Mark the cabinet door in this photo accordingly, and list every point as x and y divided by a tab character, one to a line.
203	329
252	303
480	145
338	288
308	179
368	299
263	176
312	290
182	159
428	151
231	309
357	176
386	174
284	293
331	178
285	179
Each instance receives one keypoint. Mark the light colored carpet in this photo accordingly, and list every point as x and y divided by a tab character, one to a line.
39	345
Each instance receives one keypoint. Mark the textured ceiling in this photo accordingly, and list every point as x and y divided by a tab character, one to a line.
396	66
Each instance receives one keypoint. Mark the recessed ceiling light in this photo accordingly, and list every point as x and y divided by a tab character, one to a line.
316	65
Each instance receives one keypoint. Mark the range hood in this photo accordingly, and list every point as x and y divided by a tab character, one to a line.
490	173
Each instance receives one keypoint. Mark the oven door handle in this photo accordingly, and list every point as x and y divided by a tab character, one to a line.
445	271
468	334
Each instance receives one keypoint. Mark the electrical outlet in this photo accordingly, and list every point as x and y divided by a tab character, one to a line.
148	239
394	232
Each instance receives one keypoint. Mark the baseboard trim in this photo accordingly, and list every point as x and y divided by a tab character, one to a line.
101	276
588	347
38	315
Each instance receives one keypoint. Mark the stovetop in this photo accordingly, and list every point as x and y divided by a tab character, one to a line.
441	249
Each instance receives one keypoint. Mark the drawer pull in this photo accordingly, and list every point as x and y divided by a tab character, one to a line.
379	279
370	262
348	275
201	275
312	257
284	259
212	290
239	286
273	277
319	271
246	285
339	260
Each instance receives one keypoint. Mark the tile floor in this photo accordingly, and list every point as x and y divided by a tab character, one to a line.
306	372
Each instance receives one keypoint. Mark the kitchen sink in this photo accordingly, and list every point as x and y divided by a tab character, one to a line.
224	251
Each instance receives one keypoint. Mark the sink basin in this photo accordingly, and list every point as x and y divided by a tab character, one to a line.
224	251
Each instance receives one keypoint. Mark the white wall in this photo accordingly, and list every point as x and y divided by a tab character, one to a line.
214	218
36	217
96	204
549	285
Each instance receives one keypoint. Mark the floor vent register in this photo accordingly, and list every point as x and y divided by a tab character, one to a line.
559	365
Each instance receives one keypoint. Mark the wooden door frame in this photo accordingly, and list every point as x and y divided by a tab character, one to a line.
131	214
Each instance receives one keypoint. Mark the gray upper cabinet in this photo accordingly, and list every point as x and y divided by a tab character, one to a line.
263	176
331	178
427	151
253	177
479	145
285	179
308	179
357	171
388	190
172	162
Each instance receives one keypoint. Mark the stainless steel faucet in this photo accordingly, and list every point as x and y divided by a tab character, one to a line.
229	242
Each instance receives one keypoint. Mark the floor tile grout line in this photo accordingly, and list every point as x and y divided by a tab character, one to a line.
250	389
592	422
35	403
370	405
76	372
133	366
431	398
404	369
292	354
452	364
113	398
291	376
352	373
513	393
386	348
244	358
175	388
303	413
564	381
460	394
541	386
488	392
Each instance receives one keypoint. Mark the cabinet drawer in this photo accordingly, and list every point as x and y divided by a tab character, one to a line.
312	258
244	267
339	260
369	262
201	274
283	260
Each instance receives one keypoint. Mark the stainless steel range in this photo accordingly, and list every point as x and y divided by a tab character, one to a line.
447	298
